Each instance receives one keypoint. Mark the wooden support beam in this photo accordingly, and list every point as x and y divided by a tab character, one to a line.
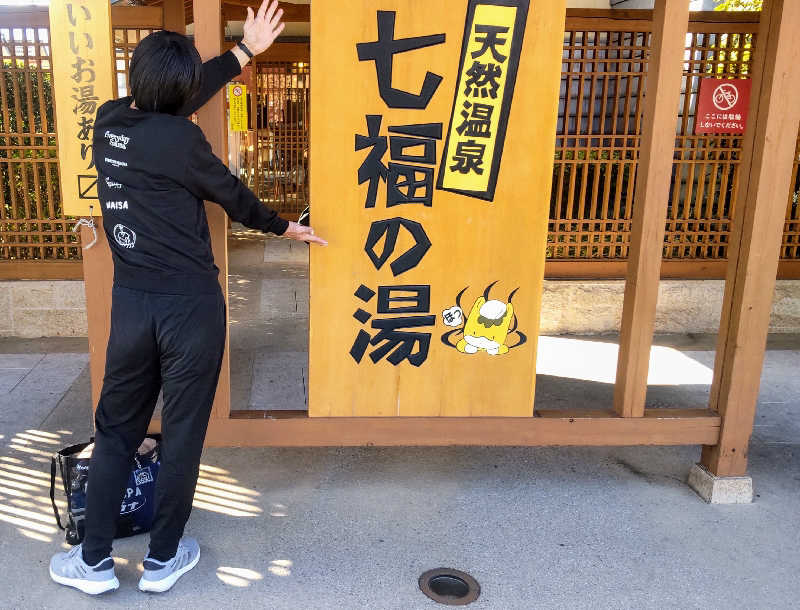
588	428
98	274
766	169
41	270
639	20
211	119
662	95
286	51
24	16
137	16
236	10
174	16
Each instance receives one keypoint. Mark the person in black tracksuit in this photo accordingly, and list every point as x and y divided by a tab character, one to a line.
168	319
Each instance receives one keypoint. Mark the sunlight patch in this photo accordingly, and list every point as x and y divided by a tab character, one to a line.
597	361
238	577
280	567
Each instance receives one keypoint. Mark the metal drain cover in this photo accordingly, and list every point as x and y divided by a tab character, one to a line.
449	587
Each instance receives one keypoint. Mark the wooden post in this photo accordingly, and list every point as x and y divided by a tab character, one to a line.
662	95
98	279
766	169
253	133
211	118
174	16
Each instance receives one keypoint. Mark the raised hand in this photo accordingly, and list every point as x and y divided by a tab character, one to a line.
302	233
262	28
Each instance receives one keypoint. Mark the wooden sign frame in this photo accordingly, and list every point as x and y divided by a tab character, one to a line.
724	427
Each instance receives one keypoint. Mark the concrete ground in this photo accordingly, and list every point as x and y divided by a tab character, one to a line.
354	528
268	302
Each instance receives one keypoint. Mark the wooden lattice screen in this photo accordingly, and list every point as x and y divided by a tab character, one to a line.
32	226
605	63
597	141
275	152
790	249
125	41
706	170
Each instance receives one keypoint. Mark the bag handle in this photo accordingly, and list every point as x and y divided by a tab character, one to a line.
53	491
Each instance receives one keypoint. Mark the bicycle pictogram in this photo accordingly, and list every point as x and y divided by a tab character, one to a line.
725	96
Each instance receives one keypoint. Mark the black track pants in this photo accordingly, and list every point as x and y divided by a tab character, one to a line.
157	340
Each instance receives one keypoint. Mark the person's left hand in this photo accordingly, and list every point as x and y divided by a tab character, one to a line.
262	28
299	232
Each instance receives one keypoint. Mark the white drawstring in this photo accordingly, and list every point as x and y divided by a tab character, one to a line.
86	222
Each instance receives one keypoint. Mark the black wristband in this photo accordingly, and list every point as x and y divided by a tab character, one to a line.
244	48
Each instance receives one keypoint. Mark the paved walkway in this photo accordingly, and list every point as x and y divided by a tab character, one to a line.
268	299
354	528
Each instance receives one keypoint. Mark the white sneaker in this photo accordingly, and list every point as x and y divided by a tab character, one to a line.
159	576
71	570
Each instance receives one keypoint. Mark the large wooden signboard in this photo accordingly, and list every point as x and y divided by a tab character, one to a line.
432	140
82	72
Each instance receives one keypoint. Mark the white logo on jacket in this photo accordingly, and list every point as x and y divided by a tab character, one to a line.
116	205
116	163
113	185
117	141
124	236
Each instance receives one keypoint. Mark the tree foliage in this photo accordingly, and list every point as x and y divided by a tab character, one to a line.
740	5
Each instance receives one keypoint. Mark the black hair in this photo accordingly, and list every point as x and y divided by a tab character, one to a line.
165	72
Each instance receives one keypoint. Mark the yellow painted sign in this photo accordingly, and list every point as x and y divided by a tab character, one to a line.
82	73
237	107
485	89
432	153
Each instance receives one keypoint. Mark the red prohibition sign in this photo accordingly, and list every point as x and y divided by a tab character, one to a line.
237	91
725	96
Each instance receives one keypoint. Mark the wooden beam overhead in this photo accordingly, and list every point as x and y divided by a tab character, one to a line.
766	170
577	18
137	16
236	10
662	95
291	11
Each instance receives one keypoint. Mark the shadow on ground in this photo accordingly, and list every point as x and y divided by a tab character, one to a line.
354	528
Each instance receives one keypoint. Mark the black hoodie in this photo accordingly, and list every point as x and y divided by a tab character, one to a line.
154	172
